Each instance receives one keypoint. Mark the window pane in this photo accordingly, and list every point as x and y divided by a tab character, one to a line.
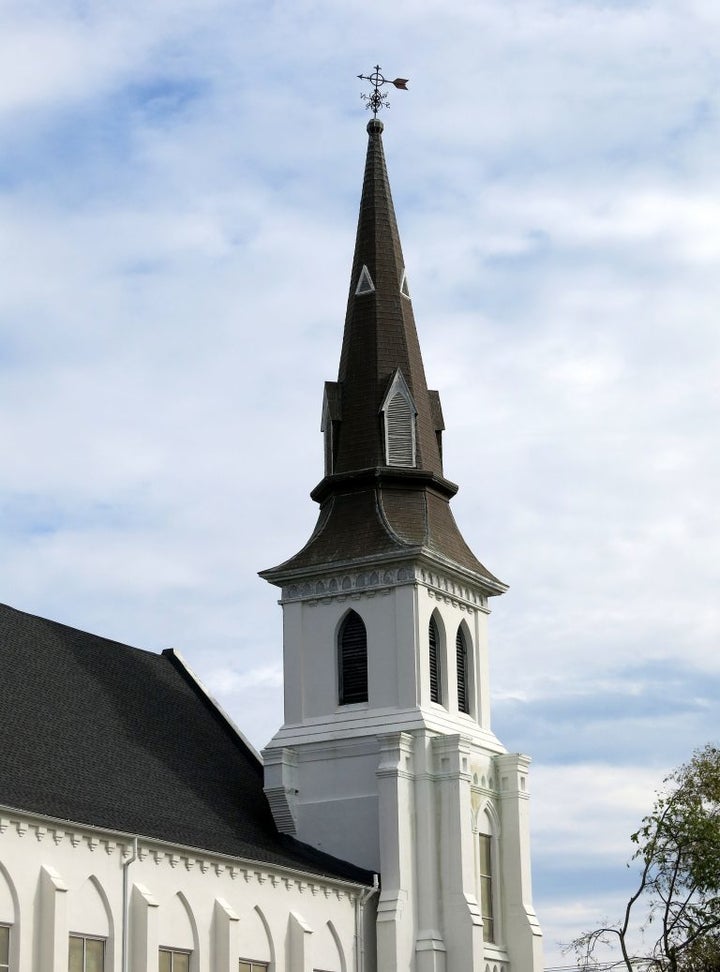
94	955
4	944
165	960
181	962
485	855
245	966
75	959
486	895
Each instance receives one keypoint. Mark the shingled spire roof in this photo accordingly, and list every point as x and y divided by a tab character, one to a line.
380	334
384	495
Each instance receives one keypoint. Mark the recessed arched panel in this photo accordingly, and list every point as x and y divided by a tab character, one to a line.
352	660
8	898
327	950
9	917
89	910
256	944
177	928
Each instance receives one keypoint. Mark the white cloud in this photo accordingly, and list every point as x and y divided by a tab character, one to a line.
177	202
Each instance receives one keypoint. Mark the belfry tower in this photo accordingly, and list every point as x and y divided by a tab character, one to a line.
386	757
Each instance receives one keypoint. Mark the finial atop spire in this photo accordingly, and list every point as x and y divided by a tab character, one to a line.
378	99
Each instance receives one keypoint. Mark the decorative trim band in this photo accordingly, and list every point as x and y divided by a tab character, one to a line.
15	824
380	581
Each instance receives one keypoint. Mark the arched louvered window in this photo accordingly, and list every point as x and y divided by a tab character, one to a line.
462	672
352	660
399	421
434	656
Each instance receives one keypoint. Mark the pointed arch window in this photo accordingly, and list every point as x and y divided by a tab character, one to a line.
485	880
399	414
461	656
434	659
352	660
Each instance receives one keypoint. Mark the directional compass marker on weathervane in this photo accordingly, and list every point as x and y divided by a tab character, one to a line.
378	99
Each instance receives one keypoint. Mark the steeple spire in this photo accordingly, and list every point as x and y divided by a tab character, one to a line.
384	494
380	336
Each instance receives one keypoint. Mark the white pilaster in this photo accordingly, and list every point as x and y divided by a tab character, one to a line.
144	940
462	918
53	921
299	952
225	937
395	810
522	929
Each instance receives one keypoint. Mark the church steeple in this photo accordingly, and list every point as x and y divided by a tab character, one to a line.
384	493
386	756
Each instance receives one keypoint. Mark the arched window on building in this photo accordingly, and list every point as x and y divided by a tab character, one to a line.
434	659
485	881
461	663
352	660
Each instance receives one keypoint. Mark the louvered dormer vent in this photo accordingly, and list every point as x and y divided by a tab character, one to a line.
399	414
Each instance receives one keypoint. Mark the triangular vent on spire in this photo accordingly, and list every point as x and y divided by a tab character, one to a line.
404	288
365	284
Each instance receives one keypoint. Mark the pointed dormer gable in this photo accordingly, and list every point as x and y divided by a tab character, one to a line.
399	418
330	424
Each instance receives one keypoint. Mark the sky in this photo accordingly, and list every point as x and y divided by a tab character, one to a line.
179	185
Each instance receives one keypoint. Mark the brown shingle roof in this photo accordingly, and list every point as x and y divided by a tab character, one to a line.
380	334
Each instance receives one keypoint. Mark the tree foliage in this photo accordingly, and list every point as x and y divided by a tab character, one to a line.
676	905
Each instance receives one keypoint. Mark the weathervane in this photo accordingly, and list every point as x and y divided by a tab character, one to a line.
378	99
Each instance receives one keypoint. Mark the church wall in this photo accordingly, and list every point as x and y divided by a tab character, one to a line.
337	804
57	880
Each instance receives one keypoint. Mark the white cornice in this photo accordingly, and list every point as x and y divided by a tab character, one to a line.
24	825
358	581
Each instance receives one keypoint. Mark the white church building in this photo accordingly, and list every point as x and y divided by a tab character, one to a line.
385	827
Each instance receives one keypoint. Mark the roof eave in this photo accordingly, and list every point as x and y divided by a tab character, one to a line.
281	575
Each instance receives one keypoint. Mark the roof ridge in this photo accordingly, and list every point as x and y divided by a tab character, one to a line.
178	662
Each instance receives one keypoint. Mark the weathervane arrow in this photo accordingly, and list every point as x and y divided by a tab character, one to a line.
378	99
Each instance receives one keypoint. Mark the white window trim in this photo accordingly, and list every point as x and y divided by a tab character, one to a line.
365	283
